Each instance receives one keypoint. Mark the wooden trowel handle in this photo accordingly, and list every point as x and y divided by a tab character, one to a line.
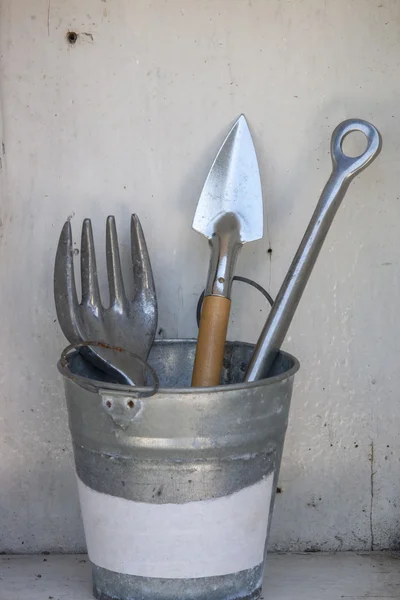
211	341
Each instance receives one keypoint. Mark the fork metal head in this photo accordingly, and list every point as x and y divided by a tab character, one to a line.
129	323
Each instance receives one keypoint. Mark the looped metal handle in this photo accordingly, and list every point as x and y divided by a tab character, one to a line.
350	166
99	387
345	168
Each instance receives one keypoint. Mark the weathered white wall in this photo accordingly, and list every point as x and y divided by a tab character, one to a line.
128	120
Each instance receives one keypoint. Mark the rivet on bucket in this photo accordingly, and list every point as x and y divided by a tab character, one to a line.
121	409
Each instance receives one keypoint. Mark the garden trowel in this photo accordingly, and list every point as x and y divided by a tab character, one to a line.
229	213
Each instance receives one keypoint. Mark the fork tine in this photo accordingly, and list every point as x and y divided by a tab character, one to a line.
142	273
66	299
115	281
90	284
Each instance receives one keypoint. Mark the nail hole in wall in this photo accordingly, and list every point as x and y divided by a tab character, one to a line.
72	37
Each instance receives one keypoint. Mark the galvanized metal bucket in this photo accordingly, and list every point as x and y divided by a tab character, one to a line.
177	488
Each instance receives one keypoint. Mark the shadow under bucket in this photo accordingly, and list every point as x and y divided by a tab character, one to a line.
177	489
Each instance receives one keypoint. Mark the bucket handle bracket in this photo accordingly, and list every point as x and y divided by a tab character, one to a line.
121	402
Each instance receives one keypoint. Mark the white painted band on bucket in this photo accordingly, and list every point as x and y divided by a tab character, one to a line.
205	538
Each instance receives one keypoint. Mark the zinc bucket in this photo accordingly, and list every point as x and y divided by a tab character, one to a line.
177	484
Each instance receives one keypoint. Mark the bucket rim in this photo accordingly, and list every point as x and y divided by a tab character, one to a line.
143	391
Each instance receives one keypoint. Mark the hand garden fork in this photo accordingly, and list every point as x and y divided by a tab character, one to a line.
127	323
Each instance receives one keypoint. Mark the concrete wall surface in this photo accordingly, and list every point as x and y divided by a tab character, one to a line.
128	119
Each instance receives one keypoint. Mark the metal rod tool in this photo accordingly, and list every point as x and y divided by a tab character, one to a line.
345	168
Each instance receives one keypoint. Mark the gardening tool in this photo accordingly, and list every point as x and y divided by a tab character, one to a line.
345	168
229	213
127	323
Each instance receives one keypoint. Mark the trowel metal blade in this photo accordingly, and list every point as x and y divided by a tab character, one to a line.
233	186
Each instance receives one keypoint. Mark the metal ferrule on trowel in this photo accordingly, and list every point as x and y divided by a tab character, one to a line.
225	245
